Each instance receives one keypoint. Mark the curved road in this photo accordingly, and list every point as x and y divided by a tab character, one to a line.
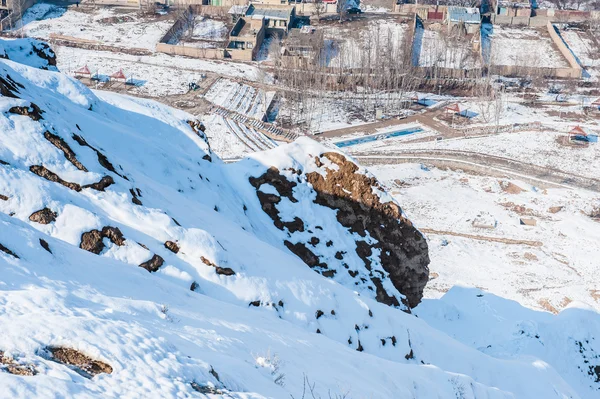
482	163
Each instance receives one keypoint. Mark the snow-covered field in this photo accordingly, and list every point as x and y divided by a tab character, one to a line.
582	46
524	47
241	98
160	74
104	26
563	269
442	51
209	29
352	47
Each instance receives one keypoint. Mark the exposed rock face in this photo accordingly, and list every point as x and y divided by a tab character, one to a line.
391	248
3	197
91	241
43	172
102	184
64	147
45	245
153	264
8	251
44	51
225	271
83	364
33	111
9	365
102	159
172	246
43	216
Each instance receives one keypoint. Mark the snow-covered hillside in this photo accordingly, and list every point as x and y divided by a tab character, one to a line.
134	263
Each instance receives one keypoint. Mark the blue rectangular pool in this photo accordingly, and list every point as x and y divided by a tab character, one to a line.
375	137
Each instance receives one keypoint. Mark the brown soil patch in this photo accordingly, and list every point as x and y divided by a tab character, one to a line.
510	188
3	197
530	256
83	364
545	303
519	209
595	294
9	365
555	209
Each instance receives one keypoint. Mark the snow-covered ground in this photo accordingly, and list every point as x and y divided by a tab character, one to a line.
103	25
241	98
524	47
437	49
351	47
160	74
563	269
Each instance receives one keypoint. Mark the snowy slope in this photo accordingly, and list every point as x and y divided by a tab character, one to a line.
227	309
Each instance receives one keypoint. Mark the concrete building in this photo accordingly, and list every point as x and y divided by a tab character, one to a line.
277	17
459	17
511	8
12	10
246	37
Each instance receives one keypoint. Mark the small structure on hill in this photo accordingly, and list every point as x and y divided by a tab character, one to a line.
424	101
527	222
460	110
302	47
118	76
580	134
83	72
246	37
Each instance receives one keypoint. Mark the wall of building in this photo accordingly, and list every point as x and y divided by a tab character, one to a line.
562	47
188	51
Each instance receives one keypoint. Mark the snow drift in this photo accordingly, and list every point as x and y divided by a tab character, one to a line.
134	263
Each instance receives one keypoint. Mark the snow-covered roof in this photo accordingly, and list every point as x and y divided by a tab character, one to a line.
270	13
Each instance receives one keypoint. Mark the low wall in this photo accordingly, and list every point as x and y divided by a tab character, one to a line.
523	71
542	17
309	8
189	51
562	47
212	11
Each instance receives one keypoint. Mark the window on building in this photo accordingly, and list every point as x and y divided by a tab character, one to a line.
249	45
3	3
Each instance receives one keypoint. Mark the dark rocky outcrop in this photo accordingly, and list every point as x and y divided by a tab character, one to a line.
402	250
82	364
101	185
102	159
91	241
8	87
172	246
43	172
8	251
44	51
225	271
153	264
3	197
62	145
45	245
33	111
43	216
